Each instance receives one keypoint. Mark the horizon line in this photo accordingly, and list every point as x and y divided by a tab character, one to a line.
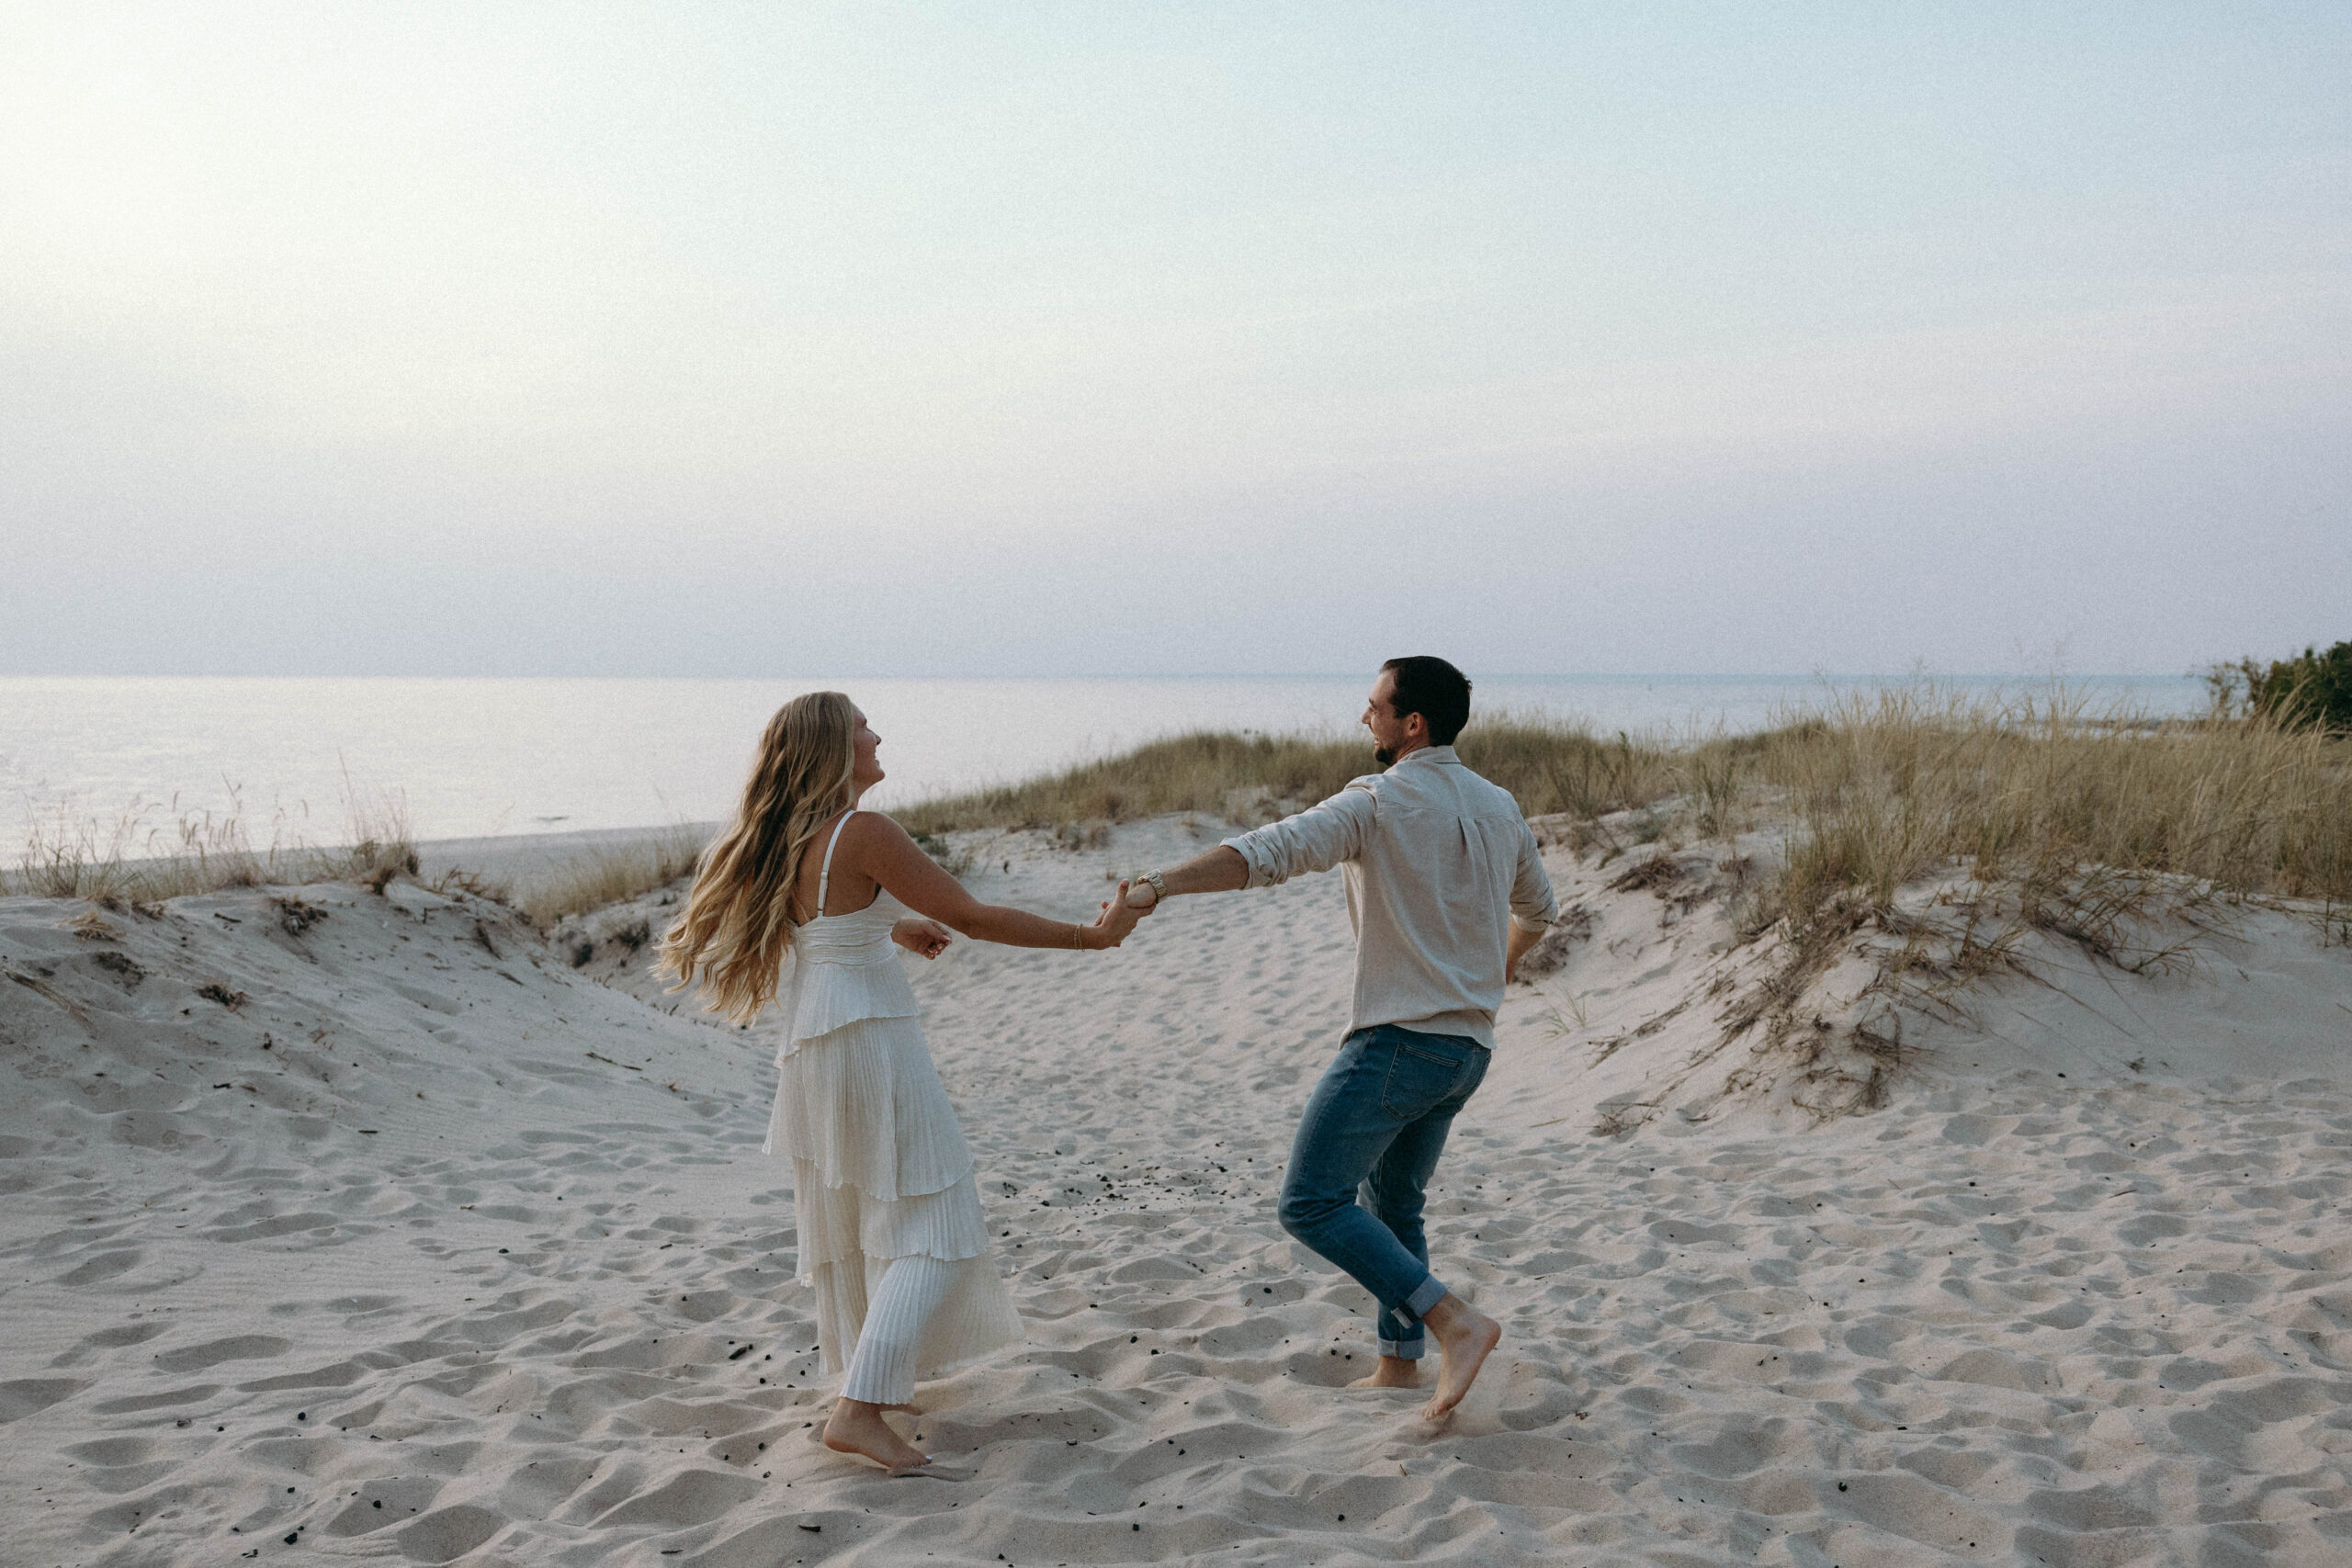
1185	675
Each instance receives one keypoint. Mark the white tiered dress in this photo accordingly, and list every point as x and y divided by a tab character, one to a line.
879	1167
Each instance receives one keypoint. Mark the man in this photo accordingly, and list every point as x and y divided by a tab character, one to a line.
1446	892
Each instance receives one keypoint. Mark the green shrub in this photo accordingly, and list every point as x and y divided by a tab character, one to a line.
2313	689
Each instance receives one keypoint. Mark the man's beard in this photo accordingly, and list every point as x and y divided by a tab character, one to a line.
1383	755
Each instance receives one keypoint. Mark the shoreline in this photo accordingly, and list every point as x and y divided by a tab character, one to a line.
514	858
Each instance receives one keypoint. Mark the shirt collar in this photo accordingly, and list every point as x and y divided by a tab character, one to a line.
1444	755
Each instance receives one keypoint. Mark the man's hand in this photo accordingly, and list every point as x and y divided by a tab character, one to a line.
917	934
1521	939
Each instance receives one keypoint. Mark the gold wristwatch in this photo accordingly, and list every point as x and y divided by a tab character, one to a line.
1159	880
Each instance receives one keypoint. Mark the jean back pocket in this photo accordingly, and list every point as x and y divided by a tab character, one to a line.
1423	1077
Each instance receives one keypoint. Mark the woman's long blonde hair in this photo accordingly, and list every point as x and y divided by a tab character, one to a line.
738	922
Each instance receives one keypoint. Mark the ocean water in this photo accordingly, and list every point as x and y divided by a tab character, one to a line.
491	757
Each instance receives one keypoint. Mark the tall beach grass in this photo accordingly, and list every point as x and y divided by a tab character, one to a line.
598	878
1885	787
1873	790
1252	778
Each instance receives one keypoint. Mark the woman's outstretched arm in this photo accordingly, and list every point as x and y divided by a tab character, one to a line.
881	850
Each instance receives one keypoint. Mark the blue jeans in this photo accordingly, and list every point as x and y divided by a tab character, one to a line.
1376	1126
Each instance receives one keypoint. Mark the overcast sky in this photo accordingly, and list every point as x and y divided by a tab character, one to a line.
1033	339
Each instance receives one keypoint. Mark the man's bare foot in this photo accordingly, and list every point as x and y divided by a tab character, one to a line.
1394	1372
1466	1337
857	1427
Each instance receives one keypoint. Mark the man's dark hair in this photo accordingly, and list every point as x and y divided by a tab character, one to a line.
1437	690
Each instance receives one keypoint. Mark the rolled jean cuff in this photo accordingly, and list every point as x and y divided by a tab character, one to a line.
1430	1292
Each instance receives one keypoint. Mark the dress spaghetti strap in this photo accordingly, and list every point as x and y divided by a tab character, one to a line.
825	872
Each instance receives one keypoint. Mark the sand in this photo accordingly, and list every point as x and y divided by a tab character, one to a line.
348	1227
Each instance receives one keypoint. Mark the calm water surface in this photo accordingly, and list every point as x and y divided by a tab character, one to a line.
497	756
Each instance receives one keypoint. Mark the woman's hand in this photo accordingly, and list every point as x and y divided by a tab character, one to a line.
916	934
1118	918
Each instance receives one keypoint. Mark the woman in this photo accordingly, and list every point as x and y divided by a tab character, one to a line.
891	1237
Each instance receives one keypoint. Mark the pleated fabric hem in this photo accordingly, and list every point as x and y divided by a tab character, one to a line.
932	1373
840	1223
974	1321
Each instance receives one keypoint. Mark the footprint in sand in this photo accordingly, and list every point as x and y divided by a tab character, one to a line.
212	1352
24	1396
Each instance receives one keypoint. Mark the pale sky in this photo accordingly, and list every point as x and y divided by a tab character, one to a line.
990	338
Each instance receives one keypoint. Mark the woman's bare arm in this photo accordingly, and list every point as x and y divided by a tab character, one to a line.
880	849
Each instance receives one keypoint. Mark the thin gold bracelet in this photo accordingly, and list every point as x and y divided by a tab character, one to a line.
1077	937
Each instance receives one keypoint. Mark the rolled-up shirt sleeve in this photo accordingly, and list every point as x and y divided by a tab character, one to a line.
1315	840
1532	904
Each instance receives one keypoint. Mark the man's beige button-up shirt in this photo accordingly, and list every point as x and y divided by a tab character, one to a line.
1438	862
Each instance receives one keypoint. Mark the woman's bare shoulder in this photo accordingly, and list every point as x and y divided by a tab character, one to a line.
873	832
869	823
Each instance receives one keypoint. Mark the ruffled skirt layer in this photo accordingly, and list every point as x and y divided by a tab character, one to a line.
881	1171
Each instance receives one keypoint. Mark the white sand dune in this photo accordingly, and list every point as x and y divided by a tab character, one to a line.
411	1242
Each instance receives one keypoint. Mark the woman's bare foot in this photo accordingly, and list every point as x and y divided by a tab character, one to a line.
816	1434
1466	1337
907	1407
857	1427
1394	1372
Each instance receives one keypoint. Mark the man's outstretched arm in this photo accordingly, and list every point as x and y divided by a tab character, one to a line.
1315	840
1220	870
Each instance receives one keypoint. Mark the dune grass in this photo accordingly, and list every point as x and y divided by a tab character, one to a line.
1254	778
1885	787
138	859
1873	790
149	853
599	877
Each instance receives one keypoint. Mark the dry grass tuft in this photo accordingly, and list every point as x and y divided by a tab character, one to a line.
138	859
598	878
91	926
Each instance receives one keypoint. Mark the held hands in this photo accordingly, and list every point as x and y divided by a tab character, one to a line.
917	935
1141	896
1118	916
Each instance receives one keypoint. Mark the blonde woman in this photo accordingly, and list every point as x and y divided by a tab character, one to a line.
891	1237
